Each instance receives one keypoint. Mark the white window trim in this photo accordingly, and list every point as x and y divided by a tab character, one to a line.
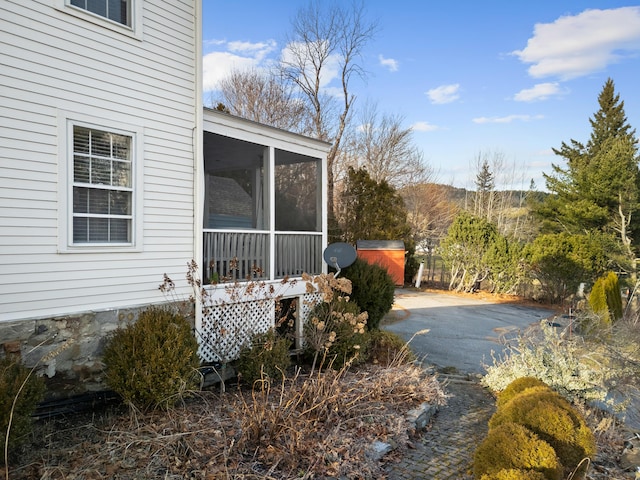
134	31
66	121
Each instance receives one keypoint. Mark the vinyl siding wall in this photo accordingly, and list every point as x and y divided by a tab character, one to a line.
54	65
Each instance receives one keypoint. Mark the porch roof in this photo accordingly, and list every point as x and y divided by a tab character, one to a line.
240	131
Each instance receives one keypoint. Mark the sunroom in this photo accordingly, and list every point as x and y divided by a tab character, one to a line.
264	216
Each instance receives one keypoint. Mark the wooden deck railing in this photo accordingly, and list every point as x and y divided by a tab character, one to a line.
230	256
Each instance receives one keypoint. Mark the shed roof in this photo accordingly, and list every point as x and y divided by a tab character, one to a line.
380	245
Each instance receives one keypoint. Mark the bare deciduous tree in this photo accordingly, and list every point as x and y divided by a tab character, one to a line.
429	212
262	97
385	148
500	195
327	41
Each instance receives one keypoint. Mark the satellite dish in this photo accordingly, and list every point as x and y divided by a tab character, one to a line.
339	255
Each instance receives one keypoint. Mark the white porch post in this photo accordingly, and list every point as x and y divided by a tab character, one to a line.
271	205
198	161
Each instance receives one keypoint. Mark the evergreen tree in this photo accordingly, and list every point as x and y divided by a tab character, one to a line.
372	210
375	211
599	189
485	183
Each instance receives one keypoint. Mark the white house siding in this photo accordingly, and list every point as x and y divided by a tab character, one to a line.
53	64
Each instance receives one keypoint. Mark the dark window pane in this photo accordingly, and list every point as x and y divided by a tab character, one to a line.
121	147
81	168
98	229
99	201
80	230
118	11
98	7
120	203
80	200
100	143
121	174
120	230
80	139
100	172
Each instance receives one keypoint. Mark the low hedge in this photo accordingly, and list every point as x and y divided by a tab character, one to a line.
513	447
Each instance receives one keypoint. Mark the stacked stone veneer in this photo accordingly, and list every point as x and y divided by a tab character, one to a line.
67	350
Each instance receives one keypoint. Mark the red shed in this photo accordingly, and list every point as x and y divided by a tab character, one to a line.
386	253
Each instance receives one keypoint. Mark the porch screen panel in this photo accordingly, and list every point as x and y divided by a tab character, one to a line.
297	193
236	184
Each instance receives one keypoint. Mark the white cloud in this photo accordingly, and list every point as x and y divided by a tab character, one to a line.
578	45
238	56
424	127
444	93
389	63
507	119
217	65
540	91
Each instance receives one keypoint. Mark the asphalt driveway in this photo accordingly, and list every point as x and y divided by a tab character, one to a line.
462	330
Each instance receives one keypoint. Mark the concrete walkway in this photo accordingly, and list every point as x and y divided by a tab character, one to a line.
462	333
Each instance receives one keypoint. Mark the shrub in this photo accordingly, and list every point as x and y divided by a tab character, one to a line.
512	446
514	474
560	361
372	289
337	329
520	385
17	383
387	348
605	299
334	327
267	355
153	362
554	420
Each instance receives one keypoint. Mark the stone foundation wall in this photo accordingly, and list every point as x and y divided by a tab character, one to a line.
67	350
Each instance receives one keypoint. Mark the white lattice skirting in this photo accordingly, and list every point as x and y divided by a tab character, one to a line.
227	327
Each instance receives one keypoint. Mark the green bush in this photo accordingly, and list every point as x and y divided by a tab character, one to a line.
520	385
605	299
152	363
553	419
27	391
386	348
514	474
372	289
512	446
267	355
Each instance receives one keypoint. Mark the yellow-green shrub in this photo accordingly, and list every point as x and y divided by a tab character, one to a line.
512	446
605	299
514	474
153	362
520	385
553	419
27	391
268	355
388	347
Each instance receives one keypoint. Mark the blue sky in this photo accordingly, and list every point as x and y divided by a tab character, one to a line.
507	78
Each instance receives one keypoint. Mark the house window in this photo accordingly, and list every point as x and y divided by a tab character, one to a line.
116	10
102	186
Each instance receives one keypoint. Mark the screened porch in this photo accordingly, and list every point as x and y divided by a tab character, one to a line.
263	215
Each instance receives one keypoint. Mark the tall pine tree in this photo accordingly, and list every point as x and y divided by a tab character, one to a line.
599	189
